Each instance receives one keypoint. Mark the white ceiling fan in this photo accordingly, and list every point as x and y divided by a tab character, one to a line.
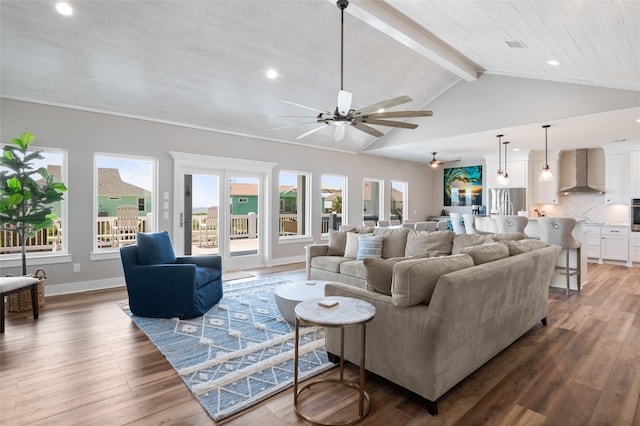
434	163
362	118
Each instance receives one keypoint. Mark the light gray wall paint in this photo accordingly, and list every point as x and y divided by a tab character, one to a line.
84	133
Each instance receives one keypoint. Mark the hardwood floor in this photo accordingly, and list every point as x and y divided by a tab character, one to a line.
85	362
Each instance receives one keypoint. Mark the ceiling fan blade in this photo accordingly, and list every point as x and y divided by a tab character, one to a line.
389	103
386	123
306	107
340	130
398	114
450	161
293	125
367	129
344	103
311	131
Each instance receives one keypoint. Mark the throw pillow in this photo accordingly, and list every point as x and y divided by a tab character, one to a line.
414	281
466	240
337	243
438	243
394	241
378	274
513	236
486	253
369	246
155	248
351	246
523	246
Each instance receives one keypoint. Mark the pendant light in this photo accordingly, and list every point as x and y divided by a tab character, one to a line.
499	176
546	175
505	175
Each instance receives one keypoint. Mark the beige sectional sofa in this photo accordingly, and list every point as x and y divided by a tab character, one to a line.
439	316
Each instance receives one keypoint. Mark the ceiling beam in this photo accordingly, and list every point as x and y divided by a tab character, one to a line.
391	22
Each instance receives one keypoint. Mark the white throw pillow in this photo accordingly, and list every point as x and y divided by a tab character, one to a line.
351	248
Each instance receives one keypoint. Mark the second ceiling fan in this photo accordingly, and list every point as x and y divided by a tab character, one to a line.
435	163
362	118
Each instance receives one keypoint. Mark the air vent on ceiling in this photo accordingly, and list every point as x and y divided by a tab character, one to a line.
515	43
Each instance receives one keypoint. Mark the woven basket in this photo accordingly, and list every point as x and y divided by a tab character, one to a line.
21	301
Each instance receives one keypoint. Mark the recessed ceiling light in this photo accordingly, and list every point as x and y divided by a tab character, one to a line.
553	62
516	149
64	8
381	110
638	120
272	74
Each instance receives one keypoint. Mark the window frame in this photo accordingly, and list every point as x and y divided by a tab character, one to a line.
306	231
343	214
405	197
380	209
10	260
101	253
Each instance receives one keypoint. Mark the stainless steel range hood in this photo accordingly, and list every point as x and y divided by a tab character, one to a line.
582	176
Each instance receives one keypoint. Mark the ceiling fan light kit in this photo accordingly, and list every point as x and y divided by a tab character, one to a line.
363	118
546	175
434	163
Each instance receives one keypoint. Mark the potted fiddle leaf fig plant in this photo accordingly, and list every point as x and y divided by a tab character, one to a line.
27	192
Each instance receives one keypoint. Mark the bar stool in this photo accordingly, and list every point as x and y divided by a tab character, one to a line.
557	231
510	223
469	225
442	225
456	223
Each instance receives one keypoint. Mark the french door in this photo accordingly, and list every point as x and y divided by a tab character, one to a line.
220	209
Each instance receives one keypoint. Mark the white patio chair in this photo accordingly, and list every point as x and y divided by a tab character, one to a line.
125	227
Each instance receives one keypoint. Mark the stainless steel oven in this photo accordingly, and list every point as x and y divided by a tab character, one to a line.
635	214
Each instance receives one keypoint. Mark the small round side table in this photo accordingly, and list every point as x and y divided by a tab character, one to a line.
335	312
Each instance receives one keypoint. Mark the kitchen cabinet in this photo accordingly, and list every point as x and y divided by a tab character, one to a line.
635	174
545	192
617	178
635	247
615	243
592	243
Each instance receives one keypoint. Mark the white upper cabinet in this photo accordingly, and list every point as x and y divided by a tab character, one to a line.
545	192
635	174
617	179
517	171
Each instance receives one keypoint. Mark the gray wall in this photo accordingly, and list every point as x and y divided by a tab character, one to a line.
83	133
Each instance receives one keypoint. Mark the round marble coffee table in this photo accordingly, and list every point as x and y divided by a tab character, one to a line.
289	295
337	312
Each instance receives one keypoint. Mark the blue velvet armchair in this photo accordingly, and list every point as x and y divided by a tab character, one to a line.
161	285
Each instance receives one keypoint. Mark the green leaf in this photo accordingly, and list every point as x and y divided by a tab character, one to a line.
14	184
27	138
9	155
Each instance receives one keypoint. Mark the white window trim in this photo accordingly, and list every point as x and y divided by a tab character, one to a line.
306	236
107	253
53	257
405	197
325	235
381	214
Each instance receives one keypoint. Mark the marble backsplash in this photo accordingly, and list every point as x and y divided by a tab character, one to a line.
590	207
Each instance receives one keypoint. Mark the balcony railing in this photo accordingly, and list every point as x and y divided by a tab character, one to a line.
241	226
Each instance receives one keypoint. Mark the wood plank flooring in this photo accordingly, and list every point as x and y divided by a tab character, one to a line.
84	362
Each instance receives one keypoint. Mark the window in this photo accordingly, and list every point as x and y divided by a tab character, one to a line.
124	199
371	199
294	203
332	191
45	241
398	200
243	200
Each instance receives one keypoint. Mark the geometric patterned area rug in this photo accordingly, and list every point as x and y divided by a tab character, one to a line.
240	352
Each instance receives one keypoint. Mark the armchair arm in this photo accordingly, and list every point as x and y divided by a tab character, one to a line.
313	250
207	261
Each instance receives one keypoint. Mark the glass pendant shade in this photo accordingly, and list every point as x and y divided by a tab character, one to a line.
546	175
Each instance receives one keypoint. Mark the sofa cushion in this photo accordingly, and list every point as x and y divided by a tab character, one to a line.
337	243
512	236
204	275
414	281
523	246
466	240
378	274
439	243
369	246
155	248
328	263
351	246
394	241
353	268
486	253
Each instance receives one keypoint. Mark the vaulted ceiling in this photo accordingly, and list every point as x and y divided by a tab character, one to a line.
203	64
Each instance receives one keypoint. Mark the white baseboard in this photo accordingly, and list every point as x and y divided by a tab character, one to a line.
287	260
82	286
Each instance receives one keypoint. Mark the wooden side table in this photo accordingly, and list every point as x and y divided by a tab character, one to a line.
347	312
